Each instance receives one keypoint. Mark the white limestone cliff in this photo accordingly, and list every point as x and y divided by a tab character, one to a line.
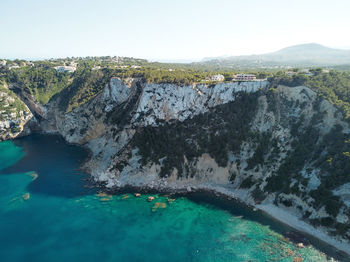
107	123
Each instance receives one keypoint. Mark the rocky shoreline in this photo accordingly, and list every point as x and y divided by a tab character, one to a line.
223	194
121	124
302	231
342	248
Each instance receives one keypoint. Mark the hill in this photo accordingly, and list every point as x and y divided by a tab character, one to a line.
299	55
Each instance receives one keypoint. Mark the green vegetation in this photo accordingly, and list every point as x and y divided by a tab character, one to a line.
258	194
303	146
248	182
339	167
333	85
216	132
9	103
327	153
264	145
86	85
40	82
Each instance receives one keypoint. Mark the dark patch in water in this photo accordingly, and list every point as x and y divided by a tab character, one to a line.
43	154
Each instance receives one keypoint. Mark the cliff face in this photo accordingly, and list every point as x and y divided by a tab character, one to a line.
280	146
107	124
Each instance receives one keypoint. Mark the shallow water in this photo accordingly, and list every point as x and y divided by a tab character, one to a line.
46	214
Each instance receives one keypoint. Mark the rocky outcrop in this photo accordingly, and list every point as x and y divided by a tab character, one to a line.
107	123
267	146
170	101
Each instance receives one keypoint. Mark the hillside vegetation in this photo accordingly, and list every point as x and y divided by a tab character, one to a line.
9	103
40	79
333	86
293	140
43	82
40	82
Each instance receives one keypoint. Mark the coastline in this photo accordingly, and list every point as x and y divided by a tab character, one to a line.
221	192
291	220
342	249
294	222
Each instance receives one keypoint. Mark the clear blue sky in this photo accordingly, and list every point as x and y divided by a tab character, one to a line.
167	29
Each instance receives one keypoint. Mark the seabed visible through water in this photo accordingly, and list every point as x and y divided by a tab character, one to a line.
47	213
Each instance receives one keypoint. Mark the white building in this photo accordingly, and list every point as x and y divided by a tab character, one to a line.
62	69
14	66
306	72
217	77
290	73
245	77
2	62
96	68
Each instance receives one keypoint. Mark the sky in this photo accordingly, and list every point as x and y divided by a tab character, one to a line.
172	30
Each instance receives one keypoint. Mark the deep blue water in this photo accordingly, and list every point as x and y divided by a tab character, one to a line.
47	213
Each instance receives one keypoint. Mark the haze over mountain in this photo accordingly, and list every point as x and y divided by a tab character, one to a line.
299	55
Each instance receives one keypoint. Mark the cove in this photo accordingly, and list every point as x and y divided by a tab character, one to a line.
48	212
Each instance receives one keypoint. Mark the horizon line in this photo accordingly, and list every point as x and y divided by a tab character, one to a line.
168	60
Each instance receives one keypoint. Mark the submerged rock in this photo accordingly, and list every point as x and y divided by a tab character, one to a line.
150	198
290	252
158	205
34	175
102	194
26	196
301	245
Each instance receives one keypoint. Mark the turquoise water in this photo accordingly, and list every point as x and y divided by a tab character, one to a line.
48	214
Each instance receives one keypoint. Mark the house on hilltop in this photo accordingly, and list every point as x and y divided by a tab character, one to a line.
62	69
13	66
218	77
245	77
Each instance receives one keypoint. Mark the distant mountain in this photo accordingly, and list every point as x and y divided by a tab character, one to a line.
299	55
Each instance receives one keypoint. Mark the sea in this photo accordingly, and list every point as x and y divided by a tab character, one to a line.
50	211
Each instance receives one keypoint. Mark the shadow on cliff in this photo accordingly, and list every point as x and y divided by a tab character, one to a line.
56	164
